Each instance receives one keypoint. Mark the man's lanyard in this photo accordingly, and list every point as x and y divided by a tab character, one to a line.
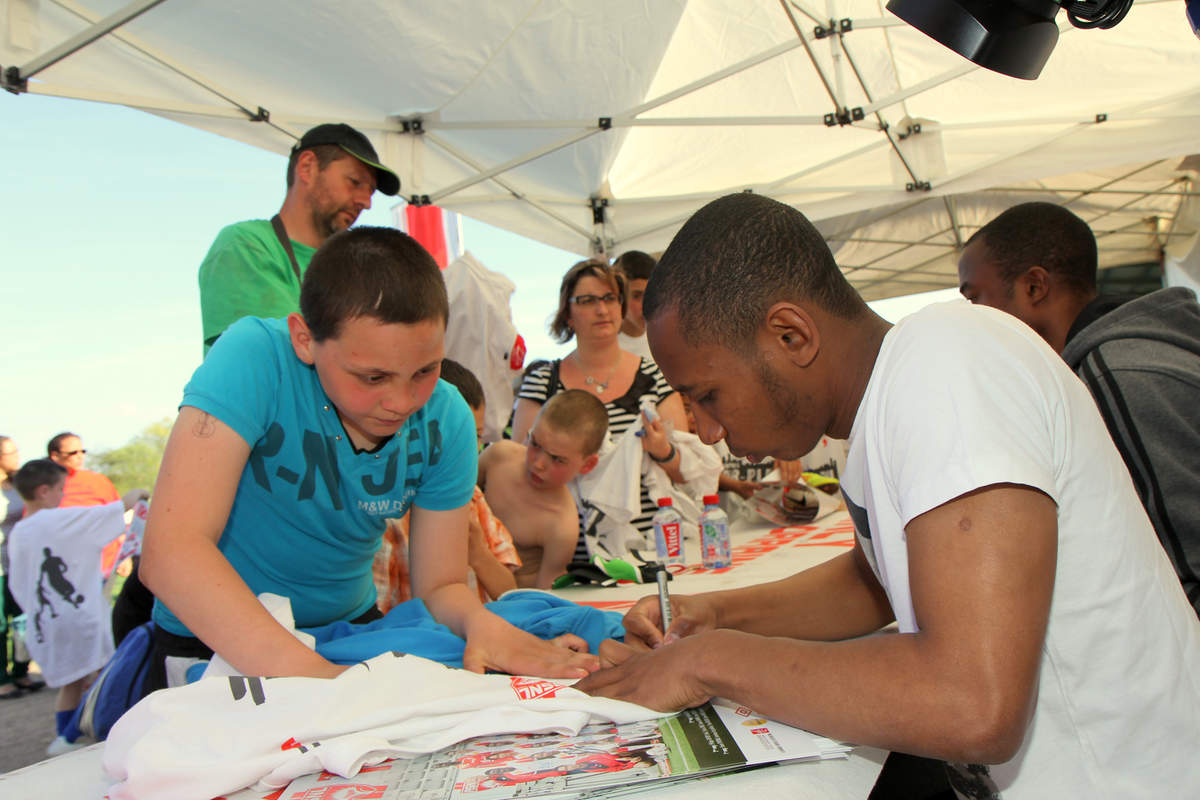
281	232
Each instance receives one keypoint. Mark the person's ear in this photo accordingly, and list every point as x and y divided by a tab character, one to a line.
307	167
589	463
1034	285
792	328
301	336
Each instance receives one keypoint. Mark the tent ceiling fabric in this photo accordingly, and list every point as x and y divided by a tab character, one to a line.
530	114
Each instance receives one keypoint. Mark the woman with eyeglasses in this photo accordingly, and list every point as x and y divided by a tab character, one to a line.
591	307
11	509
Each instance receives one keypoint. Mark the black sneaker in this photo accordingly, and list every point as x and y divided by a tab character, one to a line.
29	684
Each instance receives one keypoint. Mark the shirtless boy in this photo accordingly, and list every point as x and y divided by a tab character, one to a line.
526	485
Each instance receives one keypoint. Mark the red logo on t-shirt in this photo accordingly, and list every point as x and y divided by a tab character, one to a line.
760	730
516	356
532	688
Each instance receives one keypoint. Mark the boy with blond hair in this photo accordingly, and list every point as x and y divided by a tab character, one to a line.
526	484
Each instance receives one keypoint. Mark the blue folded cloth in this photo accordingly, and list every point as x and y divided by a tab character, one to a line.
409	628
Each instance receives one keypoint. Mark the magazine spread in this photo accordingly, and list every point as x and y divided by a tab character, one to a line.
602	760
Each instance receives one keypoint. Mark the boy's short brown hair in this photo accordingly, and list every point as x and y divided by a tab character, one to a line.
580	413
37	473
378	273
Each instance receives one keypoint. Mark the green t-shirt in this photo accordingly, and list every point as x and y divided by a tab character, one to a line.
247	273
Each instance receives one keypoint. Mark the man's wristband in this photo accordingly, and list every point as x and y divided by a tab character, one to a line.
670	455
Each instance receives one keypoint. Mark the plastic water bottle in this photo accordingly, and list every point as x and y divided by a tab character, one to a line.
668	534
714	534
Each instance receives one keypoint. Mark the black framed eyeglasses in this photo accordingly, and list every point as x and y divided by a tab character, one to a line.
587	300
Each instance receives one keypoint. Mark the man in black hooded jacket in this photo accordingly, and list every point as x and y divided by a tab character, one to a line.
1139	356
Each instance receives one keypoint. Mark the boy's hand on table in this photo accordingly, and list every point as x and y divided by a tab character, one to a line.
494	644
665	679
690	614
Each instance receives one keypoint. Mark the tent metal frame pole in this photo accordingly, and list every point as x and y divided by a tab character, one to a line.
895	272
250	111
806	12
883	125
513	163
768	190
136	101
1000	159
780	183
1082	193
710	79
924	242
18	76
455	153
1032	122
866	240
1109	212
900	209
951	214
917	88
848	271
837	103
916	268
1052	190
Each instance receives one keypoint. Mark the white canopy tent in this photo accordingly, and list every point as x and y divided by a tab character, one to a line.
600	127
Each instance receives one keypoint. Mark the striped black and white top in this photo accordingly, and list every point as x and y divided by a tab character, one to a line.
648	383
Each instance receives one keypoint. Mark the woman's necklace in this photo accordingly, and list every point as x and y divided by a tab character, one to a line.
600	387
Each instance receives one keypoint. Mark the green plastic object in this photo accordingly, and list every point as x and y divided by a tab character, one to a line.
619	568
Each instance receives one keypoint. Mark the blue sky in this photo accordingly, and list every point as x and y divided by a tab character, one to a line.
105	215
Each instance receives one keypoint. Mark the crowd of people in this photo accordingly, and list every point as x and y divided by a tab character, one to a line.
1015	611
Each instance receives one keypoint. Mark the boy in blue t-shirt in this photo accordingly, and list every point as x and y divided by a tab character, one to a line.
296	440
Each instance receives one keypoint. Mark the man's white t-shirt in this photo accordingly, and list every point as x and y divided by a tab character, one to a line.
54	558
964	397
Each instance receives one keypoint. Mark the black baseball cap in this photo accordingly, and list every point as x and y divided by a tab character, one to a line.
354	143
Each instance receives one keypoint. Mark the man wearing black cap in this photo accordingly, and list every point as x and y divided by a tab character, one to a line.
254	267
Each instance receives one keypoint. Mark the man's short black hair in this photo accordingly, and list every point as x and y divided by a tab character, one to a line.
1045	235
635	265
465	381
35	473
55	444
733	259
326	154
379	273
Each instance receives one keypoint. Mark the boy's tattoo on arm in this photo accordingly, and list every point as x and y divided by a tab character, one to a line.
204	427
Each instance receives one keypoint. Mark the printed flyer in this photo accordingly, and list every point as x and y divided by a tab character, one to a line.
602	760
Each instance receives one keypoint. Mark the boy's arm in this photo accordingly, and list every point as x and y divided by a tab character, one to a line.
485	461
438	547
182	566
494	577
657	440
558	546
524	413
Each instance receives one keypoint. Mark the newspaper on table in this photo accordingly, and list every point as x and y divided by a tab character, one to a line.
603	760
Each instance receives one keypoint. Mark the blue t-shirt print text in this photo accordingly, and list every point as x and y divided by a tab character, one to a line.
320	461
